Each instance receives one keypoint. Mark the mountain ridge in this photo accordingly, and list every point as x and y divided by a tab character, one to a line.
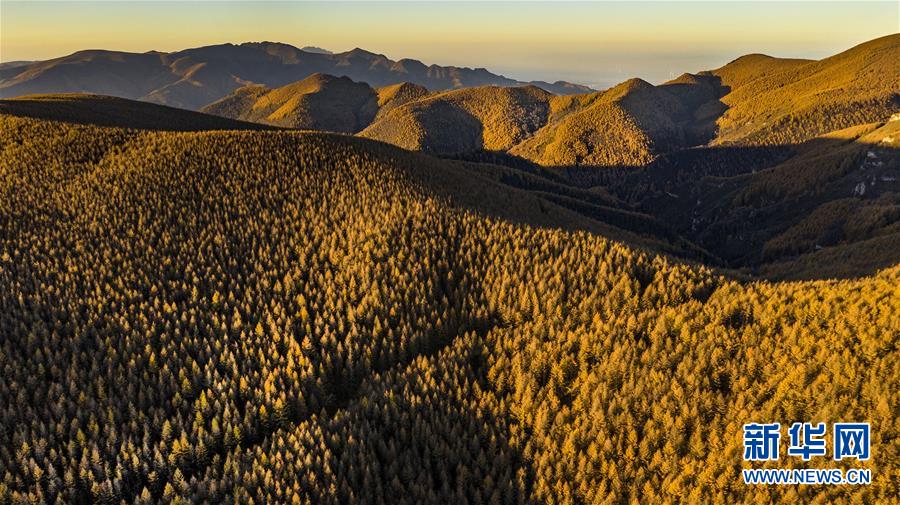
195	77
753	100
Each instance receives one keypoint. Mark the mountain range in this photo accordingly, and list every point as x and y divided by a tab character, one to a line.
193	78
753	100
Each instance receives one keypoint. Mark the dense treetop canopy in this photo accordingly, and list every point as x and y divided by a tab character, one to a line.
284	317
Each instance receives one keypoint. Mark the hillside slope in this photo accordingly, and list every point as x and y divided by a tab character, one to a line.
752	206
754	100
626	125
319	102
486	118
750	67
283	317
773	101
396	95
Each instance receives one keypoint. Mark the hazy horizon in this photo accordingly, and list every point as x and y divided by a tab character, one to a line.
595	43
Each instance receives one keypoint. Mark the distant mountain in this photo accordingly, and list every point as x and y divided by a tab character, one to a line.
562	87
193	78
314	49
319	102
13	64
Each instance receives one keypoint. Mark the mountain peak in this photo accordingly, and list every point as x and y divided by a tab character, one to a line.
315	50
629	87
359	52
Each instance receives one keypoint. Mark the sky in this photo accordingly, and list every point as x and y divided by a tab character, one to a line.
593	43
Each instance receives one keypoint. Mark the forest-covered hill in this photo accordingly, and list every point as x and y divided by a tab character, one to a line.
319	102
287	317
755	100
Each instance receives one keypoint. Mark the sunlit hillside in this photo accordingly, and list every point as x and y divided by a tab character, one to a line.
626	125
319	102
486	118
290	317
754	100
772	101
391	97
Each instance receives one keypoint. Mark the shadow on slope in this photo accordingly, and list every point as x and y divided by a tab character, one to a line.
758	208
117	112
752	206
538	200
497	191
